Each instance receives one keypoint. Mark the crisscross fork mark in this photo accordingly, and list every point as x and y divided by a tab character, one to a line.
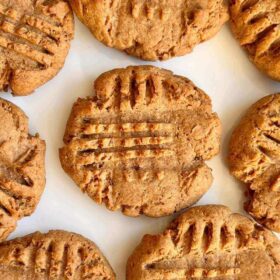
204	237
197	272
260	29
51	258
120	129
127	141
128	89
28	36
150	12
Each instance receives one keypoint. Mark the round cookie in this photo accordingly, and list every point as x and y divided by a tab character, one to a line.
152	29
207	242
139	144
256	24
22	168
56	255
254	154
34	42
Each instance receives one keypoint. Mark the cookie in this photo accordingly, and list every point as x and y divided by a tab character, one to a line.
254	154
34	42
22	168
56	255
207	242
152	29
140	142
256	25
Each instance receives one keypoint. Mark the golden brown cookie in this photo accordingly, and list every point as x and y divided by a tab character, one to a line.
256	24
152	29
22	168
254	155
207	242
34	42
56	255
139	144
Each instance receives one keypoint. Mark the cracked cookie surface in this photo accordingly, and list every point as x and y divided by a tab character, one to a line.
254	155
256	24
139	144
56	255
154	29
34	42
207	242
22	168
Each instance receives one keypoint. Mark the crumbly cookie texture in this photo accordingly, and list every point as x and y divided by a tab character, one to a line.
22	168
254	155
56	255
207	242
139	144
256	24
152	29
34	42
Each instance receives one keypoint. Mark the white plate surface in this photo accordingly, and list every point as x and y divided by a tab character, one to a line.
218	66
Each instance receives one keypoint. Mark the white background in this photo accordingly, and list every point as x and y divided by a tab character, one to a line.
219	67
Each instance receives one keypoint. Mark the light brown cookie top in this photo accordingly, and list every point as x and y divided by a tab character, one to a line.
256	24
56	255
152	29
254	155
34	42
207	242
22	168
139	144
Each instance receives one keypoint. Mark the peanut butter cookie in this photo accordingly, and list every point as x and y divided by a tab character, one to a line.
256	24
34	42
57	255
139	144
254	155
207	242
22	168
152	29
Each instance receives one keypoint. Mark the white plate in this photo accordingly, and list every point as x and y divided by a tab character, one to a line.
219	67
